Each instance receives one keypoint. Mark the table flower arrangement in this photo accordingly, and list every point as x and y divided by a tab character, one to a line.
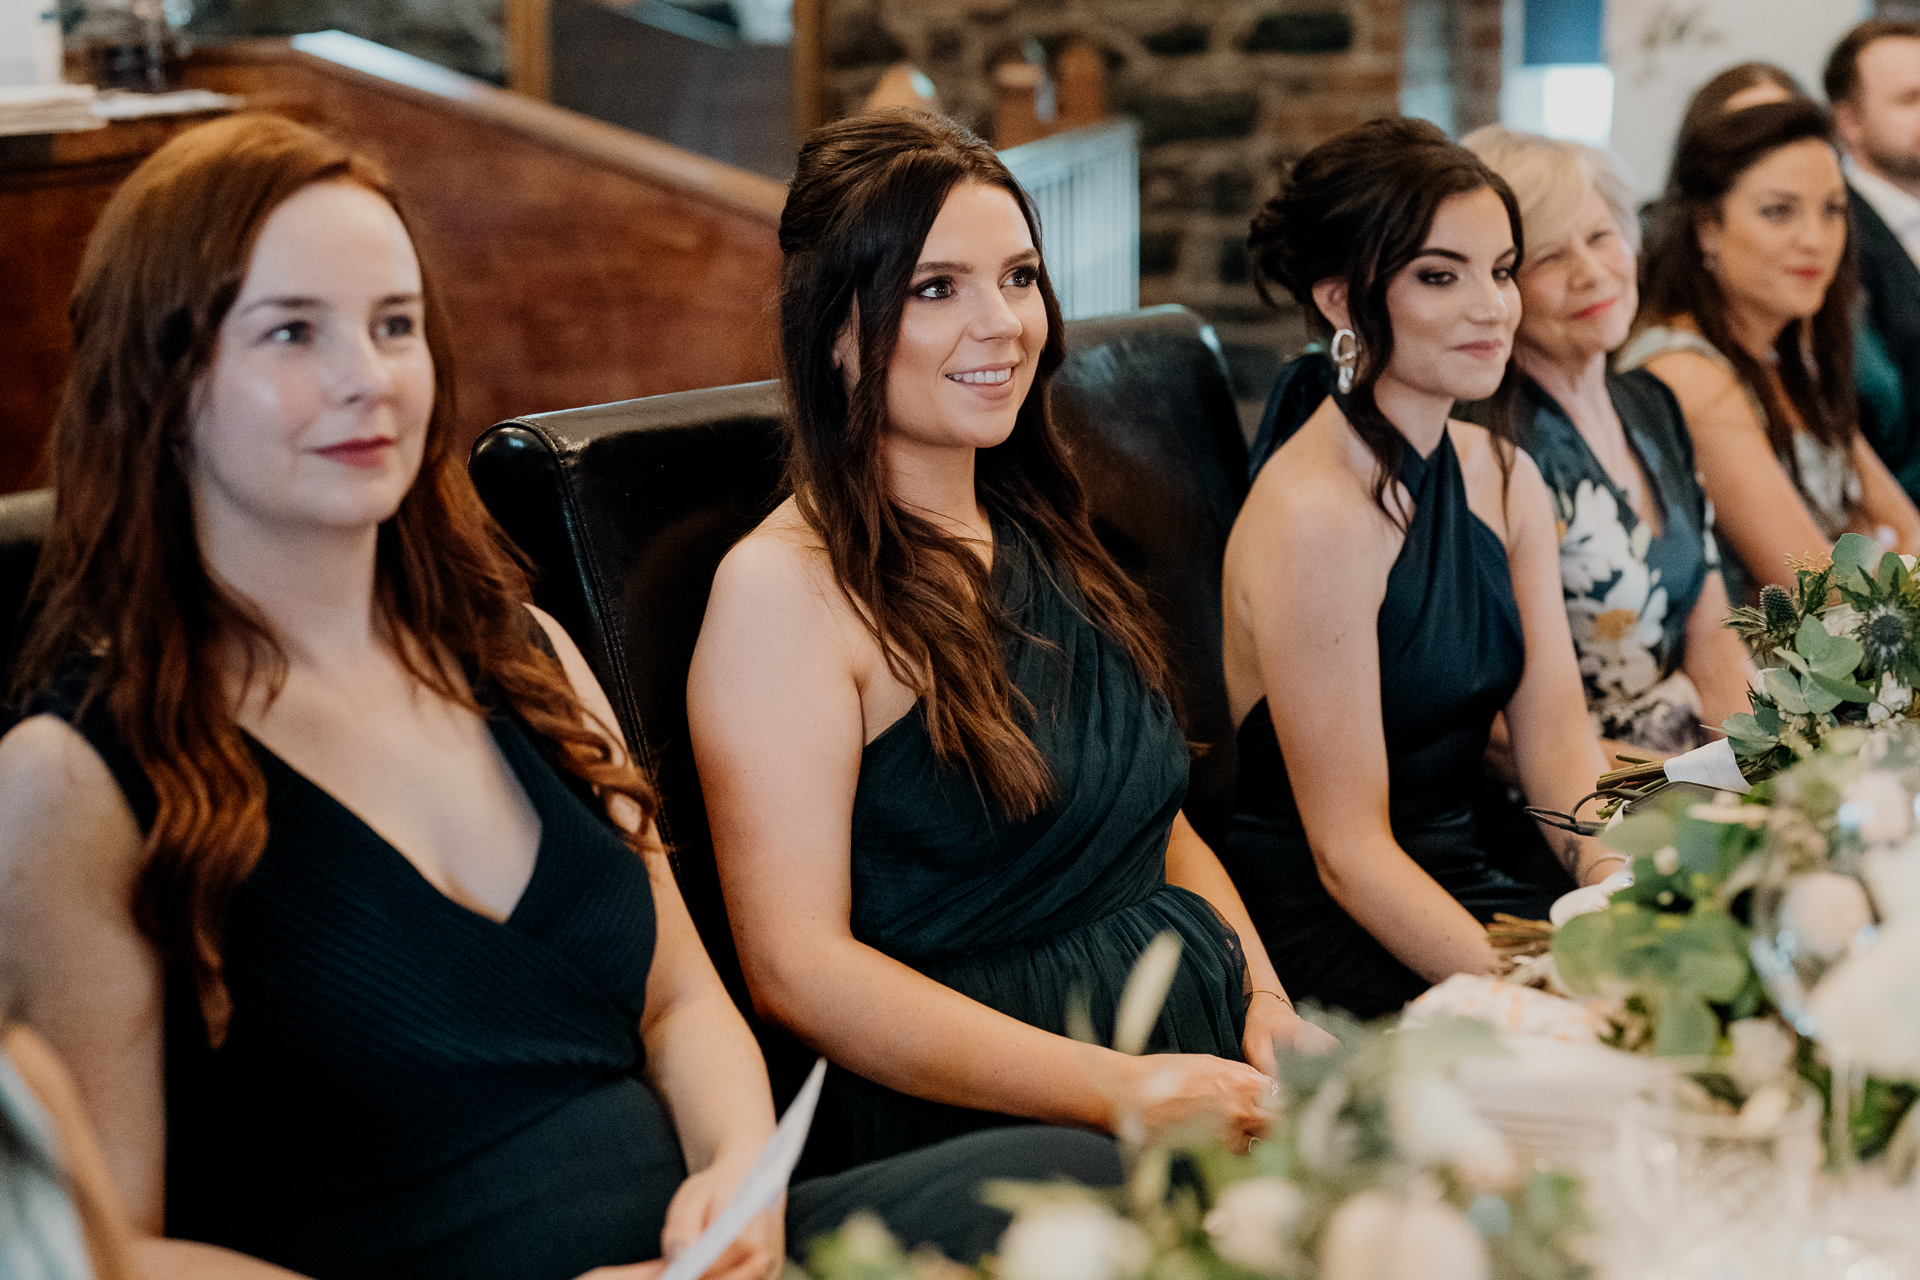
1376	1168
1758	927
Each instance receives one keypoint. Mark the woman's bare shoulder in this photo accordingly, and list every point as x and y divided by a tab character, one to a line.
782	552
65	826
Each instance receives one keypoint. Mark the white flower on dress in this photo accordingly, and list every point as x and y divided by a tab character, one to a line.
1595	545
1616	634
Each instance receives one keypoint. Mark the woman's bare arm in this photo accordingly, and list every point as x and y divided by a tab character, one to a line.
1192	865
69	855
1554	745
700	1054
1716	661
1758	513
774	699
1307	569
1883	503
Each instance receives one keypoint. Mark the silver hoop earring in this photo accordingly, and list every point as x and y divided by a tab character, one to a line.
1344	361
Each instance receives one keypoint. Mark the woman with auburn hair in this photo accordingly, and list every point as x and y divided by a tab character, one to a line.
1746	306
327	872
1392	583
930	712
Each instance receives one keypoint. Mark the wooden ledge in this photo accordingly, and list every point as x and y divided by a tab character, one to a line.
335	54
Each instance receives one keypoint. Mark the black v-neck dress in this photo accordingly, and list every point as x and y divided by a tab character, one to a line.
1451	655
409	1088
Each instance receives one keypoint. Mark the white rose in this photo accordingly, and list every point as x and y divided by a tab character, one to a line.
1841	620
1072	1242
1823	911
1876	803
1762	1052
1435	1124
867	1240
1374	1236
1863	1009
1894	877
1252	1225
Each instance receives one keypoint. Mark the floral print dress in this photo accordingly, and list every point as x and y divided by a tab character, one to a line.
1629	592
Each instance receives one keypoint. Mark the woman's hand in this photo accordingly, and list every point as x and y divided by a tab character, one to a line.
755	1254
1164	1091
1272	1024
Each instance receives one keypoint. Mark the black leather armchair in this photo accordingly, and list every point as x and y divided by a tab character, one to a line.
23	527
626	509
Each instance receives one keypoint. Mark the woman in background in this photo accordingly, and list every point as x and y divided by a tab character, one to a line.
1746	314
931	714
1392	584
1638	564
327	872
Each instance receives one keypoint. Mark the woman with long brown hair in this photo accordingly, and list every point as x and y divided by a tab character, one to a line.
326	870
930	712
1746	313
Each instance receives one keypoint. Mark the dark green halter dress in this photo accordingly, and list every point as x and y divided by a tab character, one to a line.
1451	655
1027	917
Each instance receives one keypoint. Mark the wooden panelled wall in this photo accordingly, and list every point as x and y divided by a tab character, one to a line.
578	263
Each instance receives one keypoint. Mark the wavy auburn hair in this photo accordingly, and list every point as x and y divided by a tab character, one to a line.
122	575
864	196
1358	208
1814	356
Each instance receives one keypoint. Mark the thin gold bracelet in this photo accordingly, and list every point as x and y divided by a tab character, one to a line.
1605	857
1262	991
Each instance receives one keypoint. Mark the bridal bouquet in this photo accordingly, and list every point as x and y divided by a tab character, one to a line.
1376	1168
1826	664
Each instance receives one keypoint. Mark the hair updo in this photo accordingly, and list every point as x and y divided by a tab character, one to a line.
1358	208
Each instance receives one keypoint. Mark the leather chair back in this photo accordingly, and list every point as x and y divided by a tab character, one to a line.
626	509
23	527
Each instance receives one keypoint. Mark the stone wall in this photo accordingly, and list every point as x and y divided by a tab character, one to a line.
1228	92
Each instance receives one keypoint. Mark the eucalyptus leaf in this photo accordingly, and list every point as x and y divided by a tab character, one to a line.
1745	726
1687	1027
1845	690
1840	658
1855	551
1785	689
1717	977
1891	572
1769	718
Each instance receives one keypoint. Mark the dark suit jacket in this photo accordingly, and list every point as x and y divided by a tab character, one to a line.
1891	284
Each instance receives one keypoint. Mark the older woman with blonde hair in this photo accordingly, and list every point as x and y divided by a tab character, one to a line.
1638	565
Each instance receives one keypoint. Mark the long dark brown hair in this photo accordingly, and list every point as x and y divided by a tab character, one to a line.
122	576
1358	208
864	196
1814	359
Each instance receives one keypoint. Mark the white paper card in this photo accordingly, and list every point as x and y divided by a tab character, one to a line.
1710	766
761	1187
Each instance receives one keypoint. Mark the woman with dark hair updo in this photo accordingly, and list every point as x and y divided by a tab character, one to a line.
1392	583
930	712
1747	84
327	872
1746	312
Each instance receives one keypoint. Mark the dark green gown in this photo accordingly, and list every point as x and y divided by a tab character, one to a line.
1026	917
1451	655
